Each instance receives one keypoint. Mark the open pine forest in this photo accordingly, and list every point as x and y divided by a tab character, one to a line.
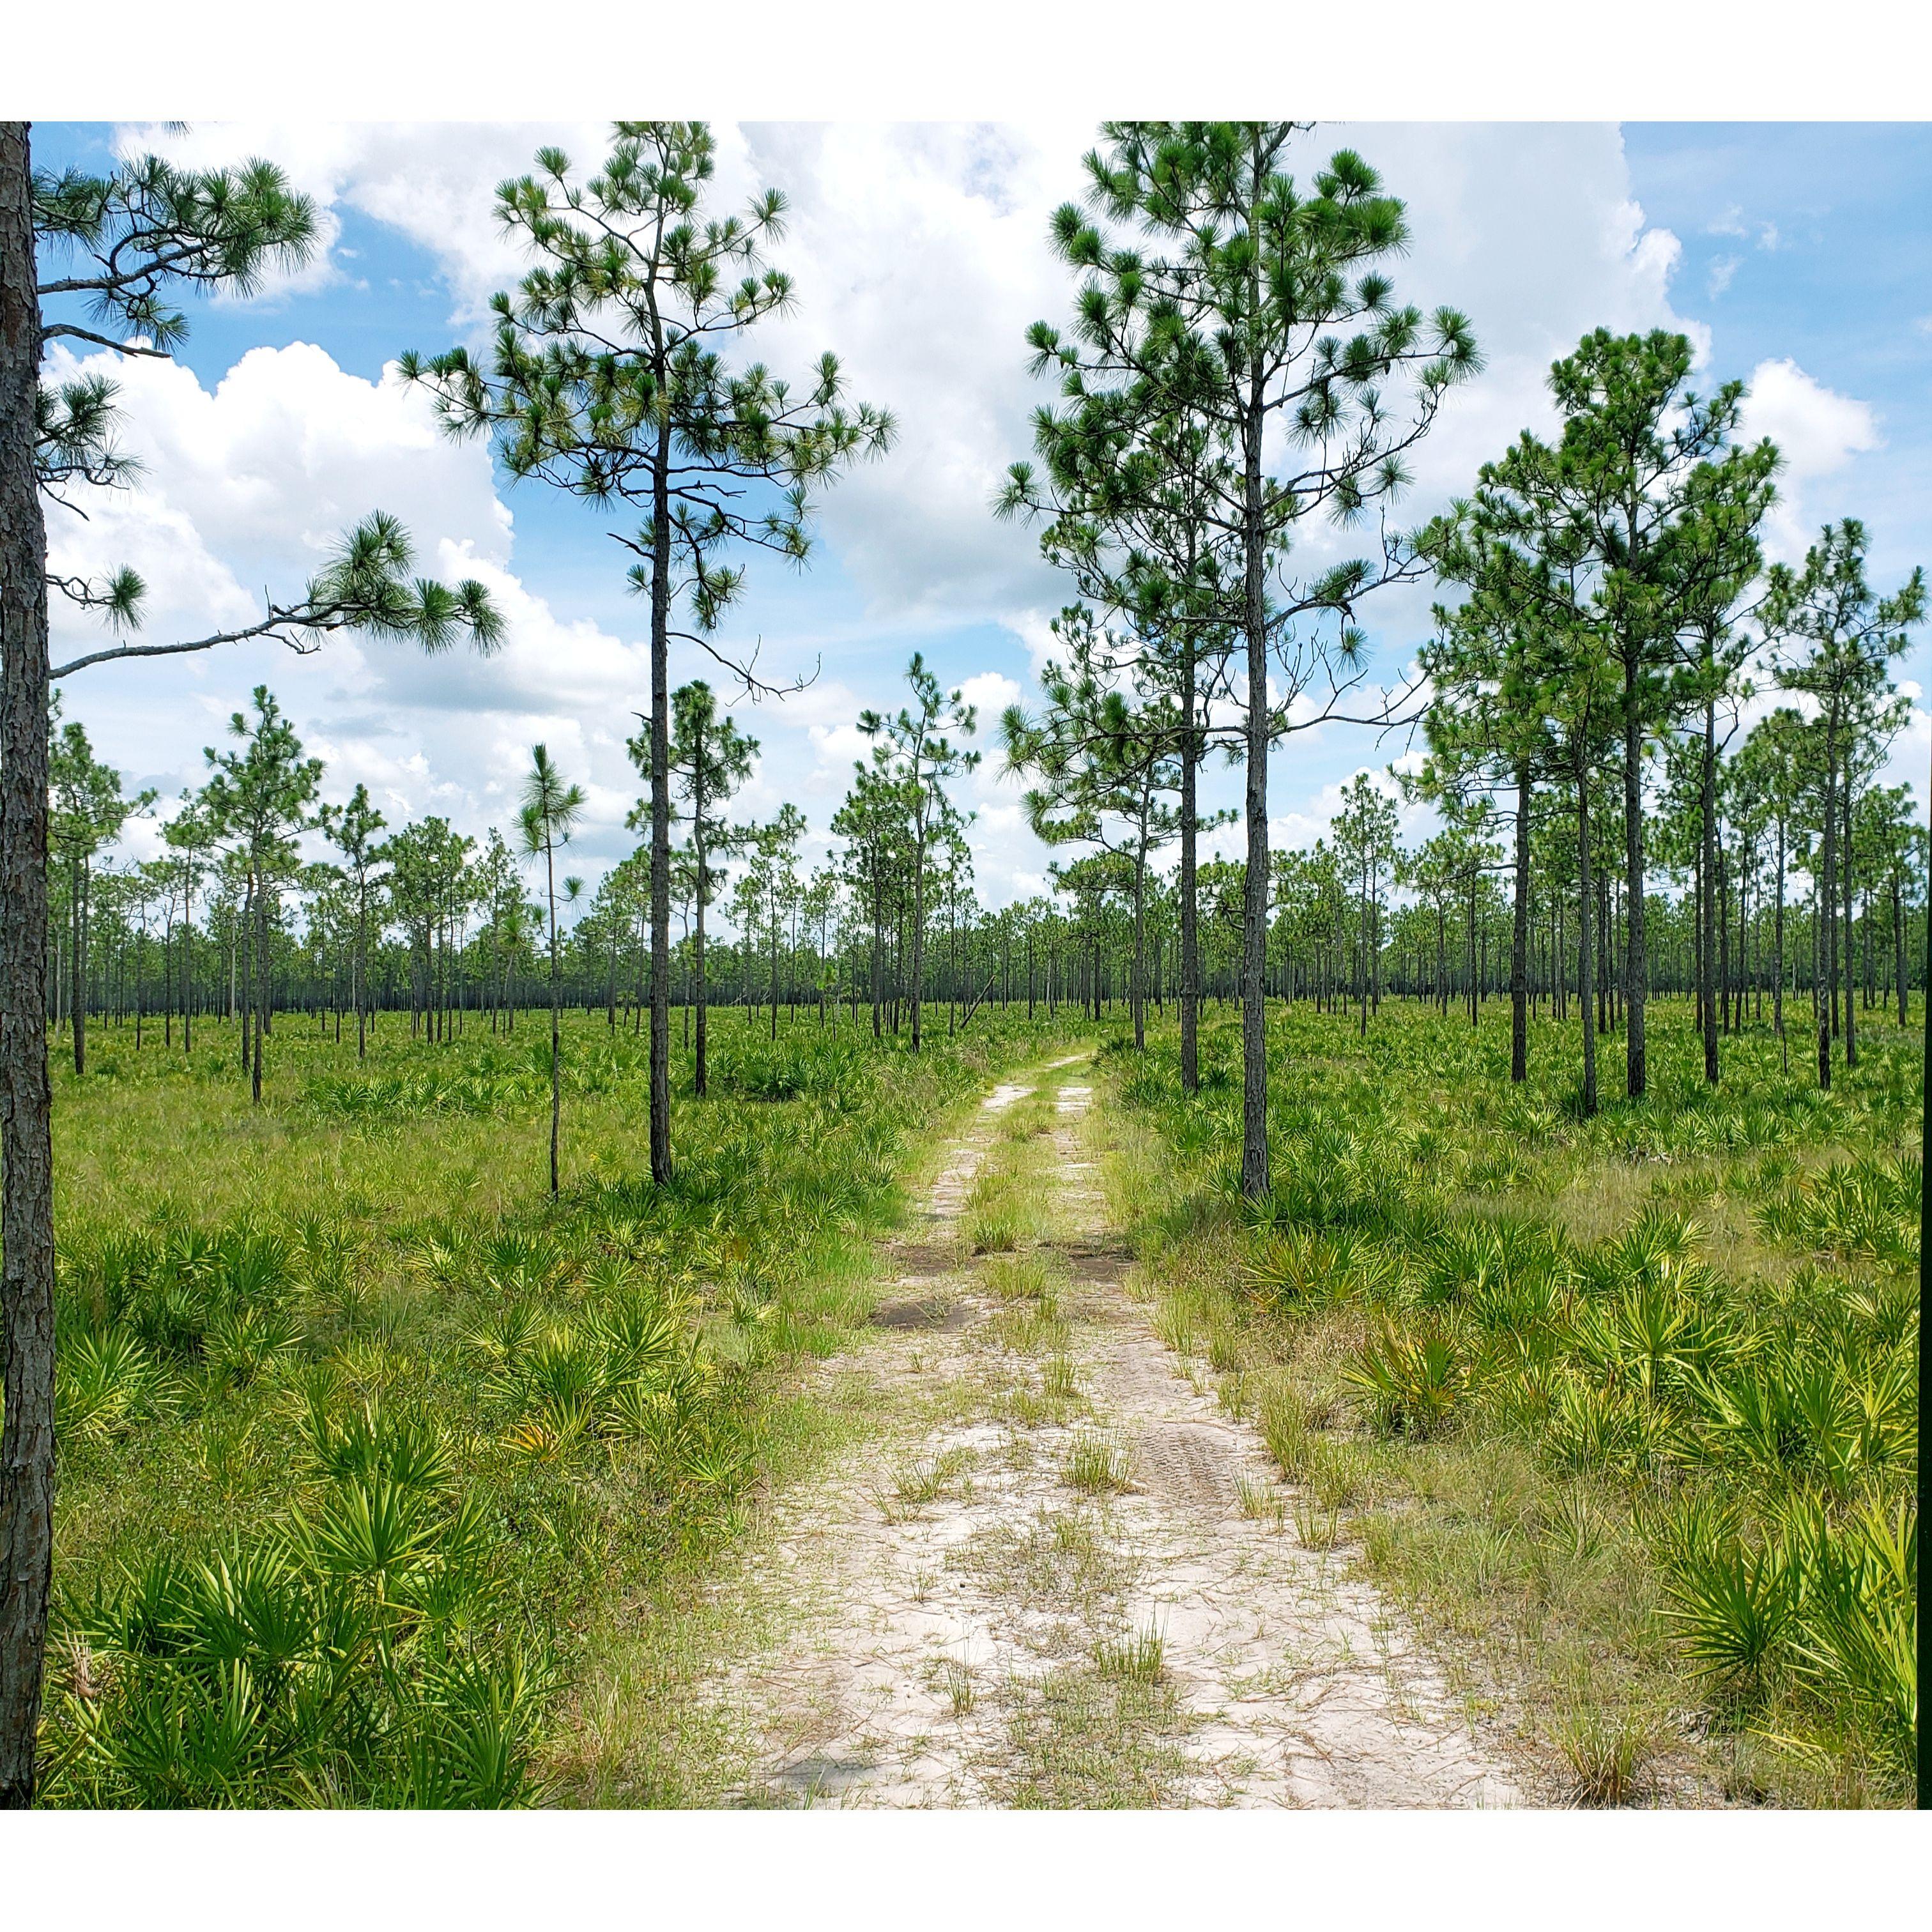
776	1320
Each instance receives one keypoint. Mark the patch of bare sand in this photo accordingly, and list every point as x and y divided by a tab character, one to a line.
971	1629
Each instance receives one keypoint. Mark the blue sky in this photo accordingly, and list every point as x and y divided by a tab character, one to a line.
1841	282
1798	256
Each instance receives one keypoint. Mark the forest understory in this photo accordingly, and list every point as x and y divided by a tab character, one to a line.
952	1432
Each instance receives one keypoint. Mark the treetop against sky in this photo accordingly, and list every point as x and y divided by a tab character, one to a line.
1796	258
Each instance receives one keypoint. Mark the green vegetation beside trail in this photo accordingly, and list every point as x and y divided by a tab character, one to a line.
1626	1406
363	1435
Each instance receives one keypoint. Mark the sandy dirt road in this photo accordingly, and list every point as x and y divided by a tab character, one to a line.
1057	1573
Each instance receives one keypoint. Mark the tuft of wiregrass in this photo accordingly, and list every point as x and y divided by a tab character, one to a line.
1098	1466
1136	1656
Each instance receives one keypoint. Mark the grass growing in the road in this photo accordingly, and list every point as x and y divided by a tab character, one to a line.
370	1451
1097	1466
1082	1737
1626	1407
1006	1212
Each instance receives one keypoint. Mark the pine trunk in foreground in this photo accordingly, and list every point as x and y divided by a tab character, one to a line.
26	1097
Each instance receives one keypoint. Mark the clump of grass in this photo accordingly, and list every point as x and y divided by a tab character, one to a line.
1018	1277
927	1478
1317	1528
1003	1211
995	1230
1097	1466
1074	1536
1175	1326
1079	1741
1059	1382
1261	1502
1023	1407
1226	1354
961	1691
1139	1657
1028	1328
1286	1430
1339	1473
1607	1748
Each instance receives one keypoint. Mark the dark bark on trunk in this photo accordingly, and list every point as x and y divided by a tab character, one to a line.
1898	945
660	1049
1777	960
918	931
878	944
1190	925
1136	993
556	1024
26	1097
1520	940
1707	843
1724	891
77	993
1824	921
1255	1180
699	1070
1845	867
261	994
1636	963
1586	964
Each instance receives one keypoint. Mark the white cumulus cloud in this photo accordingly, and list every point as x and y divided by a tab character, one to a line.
1818	431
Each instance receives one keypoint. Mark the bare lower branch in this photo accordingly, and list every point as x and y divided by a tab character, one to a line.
79	334
277	627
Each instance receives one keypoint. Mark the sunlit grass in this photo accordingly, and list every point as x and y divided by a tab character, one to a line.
338	1375
1637	1392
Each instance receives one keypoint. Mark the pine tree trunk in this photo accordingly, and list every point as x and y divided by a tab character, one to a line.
1898	945
1586	964
1255	1179
1637	962
1136	992
1190	927
261	983
1519	940
1778	954
698	1066
1845	870
1724	889
660	779
1824	923
918	932
556	1024
1707	835
26	1095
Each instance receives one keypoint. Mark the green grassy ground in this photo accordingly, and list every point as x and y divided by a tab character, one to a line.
363	1437
1625	1408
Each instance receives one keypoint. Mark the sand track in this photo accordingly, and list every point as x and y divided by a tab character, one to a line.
968	1627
